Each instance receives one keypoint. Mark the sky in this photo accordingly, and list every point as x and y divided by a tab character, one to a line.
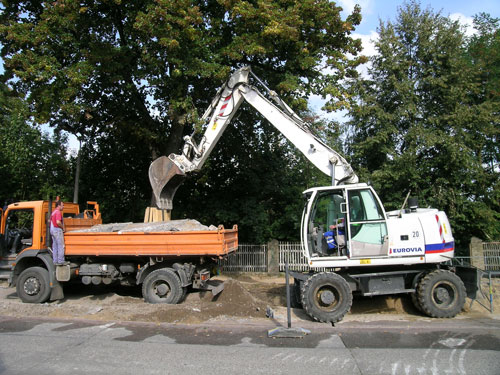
373	11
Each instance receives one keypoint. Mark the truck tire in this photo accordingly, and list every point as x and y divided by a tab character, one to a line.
33	285
326	297
183	293
162	286
441	294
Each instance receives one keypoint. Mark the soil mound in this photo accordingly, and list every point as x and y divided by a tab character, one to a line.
234	301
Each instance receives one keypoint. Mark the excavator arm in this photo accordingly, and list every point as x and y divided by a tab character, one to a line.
166	174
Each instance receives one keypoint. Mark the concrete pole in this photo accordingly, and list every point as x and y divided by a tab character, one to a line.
77	174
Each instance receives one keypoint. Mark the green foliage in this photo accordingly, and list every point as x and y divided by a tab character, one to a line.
423	125
131	78
114	173
146	67
33	165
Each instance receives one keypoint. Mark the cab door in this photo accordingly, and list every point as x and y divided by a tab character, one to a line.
324	211
367	224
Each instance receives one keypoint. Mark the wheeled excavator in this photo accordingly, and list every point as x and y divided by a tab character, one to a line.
351	243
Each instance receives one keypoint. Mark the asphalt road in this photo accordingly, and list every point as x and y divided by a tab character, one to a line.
48	346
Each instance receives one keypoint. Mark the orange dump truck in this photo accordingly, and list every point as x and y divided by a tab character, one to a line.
165	262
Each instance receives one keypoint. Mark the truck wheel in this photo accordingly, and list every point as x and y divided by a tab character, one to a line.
162	286
183	293
441	294
33	285
326	297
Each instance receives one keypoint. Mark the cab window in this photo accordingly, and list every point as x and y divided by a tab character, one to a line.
18	230
367	224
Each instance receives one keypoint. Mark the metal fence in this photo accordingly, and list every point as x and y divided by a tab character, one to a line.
296	259
248	258
491	251
254	258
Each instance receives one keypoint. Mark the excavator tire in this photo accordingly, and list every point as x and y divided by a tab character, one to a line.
414	295
295	299
326	297
162	286
441	294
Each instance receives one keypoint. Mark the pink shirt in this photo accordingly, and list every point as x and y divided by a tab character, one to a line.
56	215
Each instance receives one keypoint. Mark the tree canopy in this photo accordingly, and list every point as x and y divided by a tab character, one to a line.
146	67
130	78
32	163
426	121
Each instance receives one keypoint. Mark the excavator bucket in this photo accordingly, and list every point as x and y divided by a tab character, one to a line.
165	177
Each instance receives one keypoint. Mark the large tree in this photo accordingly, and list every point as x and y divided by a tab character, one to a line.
146	67
135	75
33	164
419	124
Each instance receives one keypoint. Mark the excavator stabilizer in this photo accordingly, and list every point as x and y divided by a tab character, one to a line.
165	177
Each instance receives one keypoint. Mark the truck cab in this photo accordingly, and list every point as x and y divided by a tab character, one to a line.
24	230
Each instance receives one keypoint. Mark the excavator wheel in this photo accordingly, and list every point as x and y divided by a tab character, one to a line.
441	294
326	297
162	286
295	298
414	295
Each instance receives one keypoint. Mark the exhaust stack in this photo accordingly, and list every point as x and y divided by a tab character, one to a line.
165	178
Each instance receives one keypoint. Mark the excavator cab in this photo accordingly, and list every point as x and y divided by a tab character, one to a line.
345	221
165	178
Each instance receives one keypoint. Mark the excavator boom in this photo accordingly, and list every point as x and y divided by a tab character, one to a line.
167	173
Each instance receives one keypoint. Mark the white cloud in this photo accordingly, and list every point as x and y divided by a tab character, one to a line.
368	42
466	22
348	5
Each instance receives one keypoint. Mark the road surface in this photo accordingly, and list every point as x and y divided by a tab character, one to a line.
52	346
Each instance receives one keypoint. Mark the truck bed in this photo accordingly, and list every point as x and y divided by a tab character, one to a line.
219	243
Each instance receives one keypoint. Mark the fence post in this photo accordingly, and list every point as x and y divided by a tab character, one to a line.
273	257
476	253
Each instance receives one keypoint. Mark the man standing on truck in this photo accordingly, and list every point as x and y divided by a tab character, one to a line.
57	233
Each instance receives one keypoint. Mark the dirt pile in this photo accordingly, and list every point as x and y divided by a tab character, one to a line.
234	302
126	304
